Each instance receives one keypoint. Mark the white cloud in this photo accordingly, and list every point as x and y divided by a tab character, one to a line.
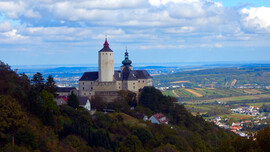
158	3
184	29
196	22
219	45
256	18
161	46
15	9
5	26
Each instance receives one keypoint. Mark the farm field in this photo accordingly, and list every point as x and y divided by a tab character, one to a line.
217	94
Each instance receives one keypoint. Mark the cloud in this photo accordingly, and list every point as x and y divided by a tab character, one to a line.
256	18
160	46
184	29
143	22
15	9
5	26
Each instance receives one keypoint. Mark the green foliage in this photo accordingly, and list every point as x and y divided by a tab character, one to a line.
77	143
100	137
26	137
263	138
73	101
48	101
128	97
13	148
102	120
133	143
154	100
167	147
265	108
50	85
69	129
11	115
143	134
98	103
38	81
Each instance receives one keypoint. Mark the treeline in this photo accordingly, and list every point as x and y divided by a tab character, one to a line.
30	120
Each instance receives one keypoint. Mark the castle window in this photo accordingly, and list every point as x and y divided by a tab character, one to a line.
139	81
133	83
110	54
91	87
106	53
133	87
143	81
103	53
84	93
83	83
119	87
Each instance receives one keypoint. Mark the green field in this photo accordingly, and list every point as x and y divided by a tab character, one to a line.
259	104
221	94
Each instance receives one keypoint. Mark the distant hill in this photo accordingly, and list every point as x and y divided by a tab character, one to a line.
245	76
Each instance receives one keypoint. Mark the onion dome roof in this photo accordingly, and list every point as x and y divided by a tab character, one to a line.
126	62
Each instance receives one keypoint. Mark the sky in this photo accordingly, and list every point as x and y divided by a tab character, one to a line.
51	32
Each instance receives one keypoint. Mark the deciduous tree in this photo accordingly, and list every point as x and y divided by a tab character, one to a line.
11	115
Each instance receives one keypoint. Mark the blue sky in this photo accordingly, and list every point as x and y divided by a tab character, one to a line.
38	32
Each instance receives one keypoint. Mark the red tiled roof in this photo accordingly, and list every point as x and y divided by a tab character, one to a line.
161	118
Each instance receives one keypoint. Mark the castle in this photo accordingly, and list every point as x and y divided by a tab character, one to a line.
107	83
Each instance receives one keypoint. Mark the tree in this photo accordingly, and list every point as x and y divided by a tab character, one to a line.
168	147
48	101
263	138
26	136
133	143
98	103
143	134
38	81
153	99
50	85
11	115
129	97
73	100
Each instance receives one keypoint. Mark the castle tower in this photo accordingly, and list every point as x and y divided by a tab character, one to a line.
105	63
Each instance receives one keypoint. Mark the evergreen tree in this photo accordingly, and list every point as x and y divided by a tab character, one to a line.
50	85
73	100
38	81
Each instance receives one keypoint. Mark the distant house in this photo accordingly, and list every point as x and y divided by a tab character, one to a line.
66	91
159	118
85	103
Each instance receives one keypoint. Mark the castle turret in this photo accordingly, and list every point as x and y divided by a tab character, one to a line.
126	62
105	63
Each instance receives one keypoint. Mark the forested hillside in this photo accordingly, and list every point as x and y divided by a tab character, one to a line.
30	120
